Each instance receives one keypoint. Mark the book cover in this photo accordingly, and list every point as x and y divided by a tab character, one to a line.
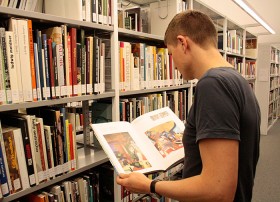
151	142
12	159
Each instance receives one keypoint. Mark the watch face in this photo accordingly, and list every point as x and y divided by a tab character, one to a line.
155	195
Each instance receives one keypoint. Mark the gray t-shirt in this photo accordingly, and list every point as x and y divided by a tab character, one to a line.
224	107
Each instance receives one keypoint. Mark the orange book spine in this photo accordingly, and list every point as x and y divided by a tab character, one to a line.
32	64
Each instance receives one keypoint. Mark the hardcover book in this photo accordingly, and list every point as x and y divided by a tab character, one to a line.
150	143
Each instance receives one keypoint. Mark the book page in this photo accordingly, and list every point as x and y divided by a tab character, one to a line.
124	146
163	132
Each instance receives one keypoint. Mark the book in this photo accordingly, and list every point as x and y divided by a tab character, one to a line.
150	143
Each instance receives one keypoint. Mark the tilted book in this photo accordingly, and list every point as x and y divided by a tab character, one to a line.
150	143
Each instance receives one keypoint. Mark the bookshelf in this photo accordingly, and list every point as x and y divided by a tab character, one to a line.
87	157
267	86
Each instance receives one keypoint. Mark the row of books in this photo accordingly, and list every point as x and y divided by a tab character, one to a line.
136	18
273	95
91	185
98	11
143	67
177	101
28	5
275	54
51	63
247	70
234	41
274	82
274	69
36	147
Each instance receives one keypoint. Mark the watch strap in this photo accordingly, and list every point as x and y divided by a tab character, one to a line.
153	185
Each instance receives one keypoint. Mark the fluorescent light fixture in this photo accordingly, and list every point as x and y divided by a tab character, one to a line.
252	13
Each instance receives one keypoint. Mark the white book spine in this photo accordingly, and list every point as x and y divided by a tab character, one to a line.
88	10
12	65
21	158
60	67
25	60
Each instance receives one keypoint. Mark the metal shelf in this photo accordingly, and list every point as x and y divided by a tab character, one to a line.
143	91
139	35
24	105
87	159
42	17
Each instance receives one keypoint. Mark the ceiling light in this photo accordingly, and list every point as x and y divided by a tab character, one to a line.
253	14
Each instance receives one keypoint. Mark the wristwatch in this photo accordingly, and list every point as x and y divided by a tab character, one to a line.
153	189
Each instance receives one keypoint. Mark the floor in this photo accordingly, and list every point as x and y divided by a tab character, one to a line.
267	181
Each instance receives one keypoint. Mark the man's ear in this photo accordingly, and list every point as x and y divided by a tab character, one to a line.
182	41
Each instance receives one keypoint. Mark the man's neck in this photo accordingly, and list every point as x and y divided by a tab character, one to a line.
207	59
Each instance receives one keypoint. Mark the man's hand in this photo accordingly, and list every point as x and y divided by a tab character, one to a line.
135	182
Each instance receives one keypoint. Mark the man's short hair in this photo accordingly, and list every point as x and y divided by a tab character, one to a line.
194	24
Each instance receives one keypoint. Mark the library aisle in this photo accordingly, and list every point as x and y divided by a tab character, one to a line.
267	181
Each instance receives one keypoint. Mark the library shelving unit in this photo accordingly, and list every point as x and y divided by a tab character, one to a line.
267	86
87	157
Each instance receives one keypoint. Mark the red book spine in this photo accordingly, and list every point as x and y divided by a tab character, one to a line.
72	156
69	59
73	35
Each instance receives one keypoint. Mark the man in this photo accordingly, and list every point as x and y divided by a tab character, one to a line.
221	138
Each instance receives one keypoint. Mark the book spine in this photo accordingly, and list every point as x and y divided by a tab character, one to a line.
42	147
83	69
12	66
57	87
65	59
60	69
37	154
32	62
3	166
2	76
28	154
96	66
46	68
40	62
49	151
14	28
21	158
13	161
37	72
69	76
73	34
79	68
94	11
25	60
51	68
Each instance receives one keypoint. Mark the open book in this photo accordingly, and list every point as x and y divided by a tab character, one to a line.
151	143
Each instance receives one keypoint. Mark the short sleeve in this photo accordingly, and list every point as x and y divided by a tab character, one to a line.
217	111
